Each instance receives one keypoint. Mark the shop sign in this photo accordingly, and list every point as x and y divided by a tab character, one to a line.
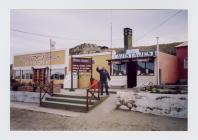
81	64
129	51
133	55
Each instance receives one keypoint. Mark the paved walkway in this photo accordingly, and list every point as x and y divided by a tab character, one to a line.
36	107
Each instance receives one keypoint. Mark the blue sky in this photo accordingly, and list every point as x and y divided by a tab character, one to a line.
73	27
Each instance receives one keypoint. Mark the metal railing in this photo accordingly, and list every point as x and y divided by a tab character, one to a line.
45	88
93	89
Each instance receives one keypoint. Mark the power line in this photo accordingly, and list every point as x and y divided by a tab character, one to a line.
36	34
159	25
50	36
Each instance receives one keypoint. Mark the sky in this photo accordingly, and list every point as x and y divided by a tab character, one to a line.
31	30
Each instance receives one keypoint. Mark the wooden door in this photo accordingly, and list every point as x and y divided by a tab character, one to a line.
40	76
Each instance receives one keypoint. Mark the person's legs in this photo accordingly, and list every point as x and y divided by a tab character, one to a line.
101	87
106	88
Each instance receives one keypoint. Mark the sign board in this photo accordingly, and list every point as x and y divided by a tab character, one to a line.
81	64
133	55
39	59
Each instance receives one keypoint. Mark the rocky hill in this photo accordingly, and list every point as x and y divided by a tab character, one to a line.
88	48
93	48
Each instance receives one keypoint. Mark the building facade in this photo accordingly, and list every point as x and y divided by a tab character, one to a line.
130	69
25	65
182	55
135	68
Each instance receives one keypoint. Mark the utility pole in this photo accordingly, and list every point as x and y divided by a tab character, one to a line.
52	45
111	29
50	60
158	57
111	65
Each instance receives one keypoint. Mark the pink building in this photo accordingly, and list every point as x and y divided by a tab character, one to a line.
182	56
169	71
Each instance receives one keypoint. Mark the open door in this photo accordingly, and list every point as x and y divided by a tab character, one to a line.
132	74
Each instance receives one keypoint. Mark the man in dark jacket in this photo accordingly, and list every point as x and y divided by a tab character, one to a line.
103	79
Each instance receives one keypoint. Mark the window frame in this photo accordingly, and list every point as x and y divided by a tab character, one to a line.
26	74
53	75
119	67
186	63
145	68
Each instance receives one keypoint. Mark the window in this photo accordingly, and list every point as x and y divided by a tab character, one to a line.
17	74
119	69
145	68
27	74
57	74
185	63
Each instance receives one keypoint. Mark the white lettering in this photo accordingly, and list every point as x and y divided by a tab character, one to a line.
133	54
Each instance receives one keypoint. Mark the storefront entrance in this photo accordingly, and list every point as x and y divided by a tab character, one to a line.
131	74
40	75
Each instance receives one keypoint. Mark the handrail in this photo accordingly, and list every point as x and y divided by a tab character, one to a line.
92	93
42	88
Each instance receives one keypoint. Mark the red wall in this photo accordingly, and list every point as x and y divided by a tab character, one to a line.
182	53
168	65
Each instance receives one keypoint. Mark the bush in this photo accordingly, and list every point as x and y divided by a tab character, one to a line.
15	85
34	87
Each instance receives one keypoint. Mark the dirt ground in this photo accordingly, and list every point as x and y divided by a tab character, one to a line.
103	118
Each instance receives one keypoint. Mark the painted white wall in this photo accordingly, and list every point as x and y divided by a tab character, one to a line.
67	59
141	80
118	81
67	81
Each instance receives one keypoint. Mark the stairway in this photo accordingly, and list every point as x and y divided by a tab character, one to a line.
70	102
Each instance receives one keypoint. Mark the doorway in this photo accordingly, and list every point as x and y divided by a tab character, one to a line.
40	75
132	74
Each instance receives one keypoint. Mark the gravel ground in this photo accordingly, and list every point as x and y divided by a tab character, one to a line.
103	118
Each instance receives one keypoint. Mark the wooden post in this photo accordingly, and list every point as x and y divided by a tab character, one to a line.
40	96
91	68
99	90
87	107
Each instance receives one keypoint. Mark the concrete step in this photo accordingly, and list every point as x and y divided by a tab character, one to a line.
65	106
70	96
69	100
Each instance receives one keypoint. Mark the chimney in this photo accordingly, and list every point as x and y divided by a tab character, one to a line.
127	39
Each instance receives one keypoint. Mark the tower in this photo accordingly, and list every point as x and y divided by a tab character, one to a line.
127	38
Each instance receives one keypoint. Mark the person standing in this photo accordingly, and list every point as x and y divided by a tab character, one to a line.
104	75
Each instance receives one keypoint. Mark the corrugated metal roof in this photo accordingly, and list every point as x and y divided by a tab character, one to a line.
183	44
